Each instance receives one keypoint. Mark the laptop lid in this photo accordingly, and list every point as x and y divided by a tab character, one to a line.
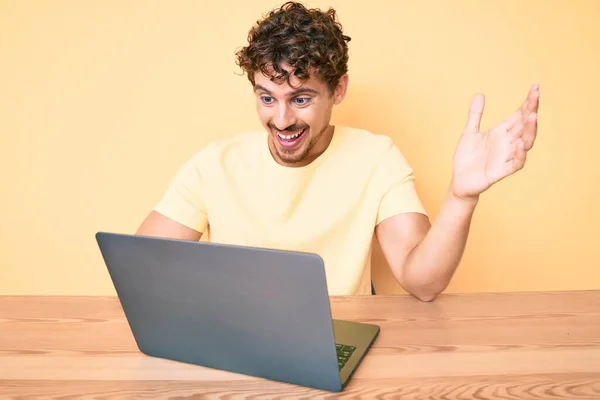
253	311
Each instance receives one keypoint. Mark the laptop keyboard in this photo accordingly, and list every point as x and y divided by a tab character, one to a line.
343	354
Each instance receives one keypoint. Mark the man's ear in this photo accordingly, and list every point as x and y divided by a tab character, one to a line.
340	90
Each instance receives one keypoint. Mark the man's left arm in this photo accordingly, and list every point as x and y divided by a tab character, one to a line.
424	257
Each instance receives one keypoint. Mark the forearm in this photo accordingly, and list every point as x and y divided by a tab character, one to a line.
432	263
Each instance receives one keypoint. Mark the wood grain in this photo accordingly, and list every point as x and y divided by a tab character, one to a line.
476	346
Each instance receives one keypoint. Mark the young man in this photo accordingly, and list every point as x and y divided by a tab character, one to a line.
309	186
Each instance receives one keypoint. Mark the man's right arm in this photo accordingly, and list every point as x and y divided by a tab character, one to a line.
181	212
157	225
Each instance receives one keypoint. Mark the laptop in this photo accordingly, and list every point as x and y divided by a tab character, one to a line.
253	311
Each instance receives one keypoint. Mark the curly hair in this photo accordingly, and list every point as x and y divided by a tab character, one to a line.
309	40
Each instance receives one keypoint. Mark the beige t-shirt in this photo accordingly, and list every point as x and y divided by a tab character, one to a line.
236	193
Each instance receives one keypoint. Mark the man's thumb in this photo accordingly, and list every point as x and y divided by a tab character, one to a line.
475	112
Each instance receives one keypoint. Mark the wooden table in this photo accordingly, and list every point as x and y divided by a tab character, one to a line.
492	346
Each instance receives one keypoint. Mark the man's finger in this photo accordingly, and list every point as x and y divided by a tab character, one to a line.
516	131
509	123
523	107
530	131
517	157
532	101
520	155
475	112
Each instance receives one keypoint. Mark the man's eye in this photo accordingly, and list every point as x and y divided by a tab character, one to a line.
301	100
266	99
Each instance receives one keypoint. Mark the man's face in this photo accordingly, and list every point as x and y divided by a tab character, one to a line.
296	116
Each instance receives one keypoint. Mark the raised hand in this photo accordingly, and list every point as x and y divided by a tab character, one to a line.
484	158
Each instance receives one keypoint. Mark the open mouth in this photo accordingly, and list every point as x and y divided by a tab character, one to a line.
290	140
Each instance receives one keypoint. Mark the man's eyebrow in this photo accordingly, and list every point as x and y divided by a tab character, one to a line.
302	90
290	94
264	89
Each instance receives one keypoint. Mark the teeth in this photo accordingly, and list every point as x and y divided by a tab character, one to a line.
290	137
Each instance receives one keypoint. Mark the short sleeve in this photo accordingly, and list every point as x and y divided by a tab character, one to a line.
183	201
398	186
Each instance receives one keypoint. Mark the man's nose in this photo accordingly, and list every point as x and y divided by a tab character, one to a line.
284	117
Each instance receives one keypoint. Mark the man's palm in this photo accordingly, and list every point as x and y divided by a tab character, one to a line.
484	158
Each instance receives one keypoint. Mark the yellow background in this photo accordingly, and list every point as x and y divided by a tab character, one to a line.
102	101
